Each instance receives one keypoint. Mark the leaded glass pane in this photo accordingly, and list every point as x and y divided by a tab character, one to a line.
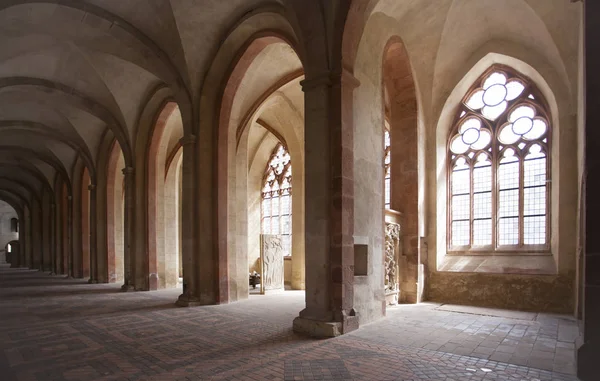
460	181
508	231
508	175
275	206
535	201
482	205
535	172
387	192
482	177
508	202
285	204
460	233
275	225
266	207
266	225
461	207
534	230
285	225
482	232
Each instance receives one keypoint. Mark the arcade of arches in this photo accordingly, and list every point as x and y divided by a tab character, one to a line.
438	152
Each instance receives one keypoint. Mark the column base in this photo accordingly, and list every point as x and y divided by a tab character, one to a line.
188	301
92	281
325	329
587	362
127	288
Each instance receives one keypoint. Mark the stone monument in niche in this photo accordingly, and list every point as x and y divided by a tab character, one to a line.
392	244
271	258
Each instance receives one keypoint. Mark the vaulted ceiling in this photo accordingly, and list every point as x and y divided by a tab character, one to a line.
73	71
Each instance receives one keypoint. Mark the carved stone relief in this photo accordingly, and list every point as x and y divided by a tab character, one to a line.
392	241
272	262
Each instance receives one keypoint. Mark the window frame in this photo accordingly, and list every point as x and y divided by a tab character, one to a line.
279	179
387	167
463	113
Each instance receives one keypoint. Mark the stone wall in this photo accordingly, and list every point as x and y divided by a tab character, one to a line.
6	235
540	293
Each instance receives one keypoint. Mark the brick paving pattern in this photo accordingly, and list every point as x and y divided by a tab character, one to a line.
64	329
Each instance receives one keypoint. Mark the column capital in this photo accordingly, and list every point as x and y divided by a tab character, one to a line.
187	140
128	171
91	187
330	78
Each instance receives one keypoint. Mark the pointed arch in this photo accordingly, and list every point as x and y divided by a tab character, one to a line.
499	167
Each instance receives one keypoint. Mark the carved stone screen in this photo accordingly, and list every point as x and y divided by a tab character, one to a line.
271	257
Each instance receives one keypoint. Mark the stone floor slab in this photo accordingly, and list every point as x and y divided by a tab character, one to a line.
64	329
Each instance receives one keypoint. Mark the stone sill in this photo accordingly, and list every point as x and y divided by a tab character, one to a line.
526	264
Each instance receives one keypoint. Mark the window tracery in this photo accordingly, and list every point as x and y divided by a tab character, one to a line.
387	159
276	208
499	167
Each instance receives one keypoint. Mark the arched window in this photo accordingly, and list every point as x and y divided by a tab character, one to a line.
386	162
277	197
499	167
14	225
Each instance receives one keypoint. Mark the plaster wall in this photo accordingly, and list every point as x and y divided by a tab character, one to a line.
172	202
440	63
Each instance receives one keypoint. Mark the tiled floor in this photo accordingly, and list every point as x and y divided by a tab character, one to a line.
58	329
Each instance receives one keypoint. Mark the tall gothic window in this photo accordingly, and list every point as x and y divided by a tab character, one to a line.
386	162
277	197
499	167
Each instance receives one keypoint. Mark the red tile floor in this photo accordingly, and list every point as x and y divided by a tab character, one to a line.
53	329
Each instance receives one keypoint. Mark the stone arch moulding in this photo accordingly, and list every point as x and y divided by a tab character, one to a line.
162	259
401	112
376	61
229	140
240	47
114	215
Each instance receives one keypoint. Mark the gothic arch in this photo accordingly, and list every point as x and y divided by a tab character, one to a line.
250	36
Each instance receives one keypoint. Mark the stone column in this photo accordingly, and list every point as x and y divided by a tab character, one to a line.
29	237
45	230
190	296
588	352
329	224
53	231
30	233
70	272
37	240
17	254
23	237
58	227
93	235
128	250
